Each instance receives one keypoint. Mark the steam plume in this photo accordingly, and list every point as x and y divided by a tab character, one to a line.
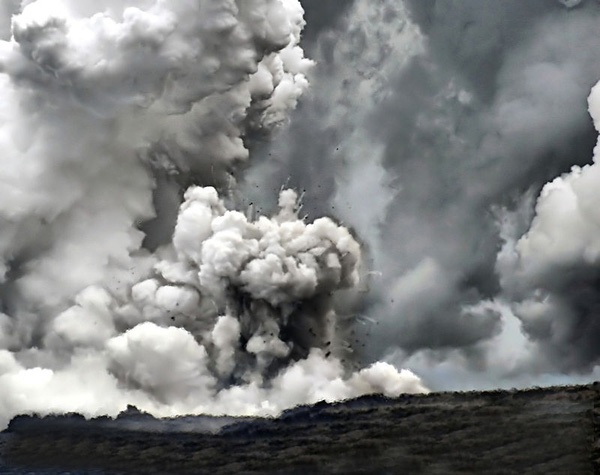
112	293
435	129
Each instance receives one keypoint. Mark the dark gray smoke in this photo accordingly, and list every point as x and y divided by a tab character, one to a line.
322	15
523	122
428	125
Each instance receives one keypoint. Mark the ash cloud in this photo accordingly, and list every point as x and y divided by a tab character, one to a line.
133	133
321	15
427	123
466	152
127	274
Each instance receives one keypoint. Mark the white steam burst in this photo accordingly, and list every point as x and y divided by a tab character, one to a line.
236	315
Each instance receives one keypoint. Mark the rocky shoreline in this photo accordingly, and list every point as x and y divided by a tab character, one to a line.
536	431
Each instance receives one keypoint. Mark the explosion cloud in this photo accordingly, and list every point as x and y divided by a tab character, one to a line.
112	291
149	254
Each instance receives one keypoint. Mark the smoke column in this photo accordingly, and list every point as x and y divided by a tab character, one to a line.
432	128
127	276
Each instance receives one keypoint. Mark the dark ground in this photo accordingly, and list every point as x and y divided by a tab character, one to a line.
538	431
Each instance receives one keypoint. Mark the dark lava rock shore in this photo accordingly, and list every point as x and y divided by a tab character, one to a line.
536	431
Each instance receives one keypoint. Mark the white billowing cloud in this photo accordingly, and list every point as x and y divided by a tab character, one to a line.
319	378
550	269
88	93
567	218
237	279
161	347
279	260
89	90
168	362
385	379
84	386
99	102
567	203
88	323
